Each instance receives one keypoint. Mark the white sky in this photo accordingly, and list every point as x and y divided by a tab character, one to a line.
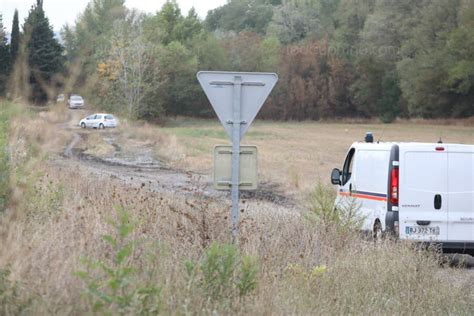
61	12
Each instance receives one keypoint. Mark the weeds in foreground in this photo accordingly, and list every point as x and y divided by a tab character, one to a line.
111	285
10	301
222	273
222	276
321	208
4	155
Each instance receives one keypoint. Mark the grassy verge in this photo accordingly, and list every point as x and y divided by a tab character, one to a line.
170	254
4	161
81	244
6	112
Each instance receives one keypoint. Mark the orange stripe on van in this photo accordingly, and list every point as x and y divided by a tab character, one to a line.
363	196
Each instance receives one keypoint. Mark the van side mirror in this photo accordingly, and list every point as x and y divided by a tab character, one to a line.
336	177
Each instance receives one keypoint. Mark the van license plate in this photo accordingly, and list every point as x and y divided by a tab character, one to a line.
417	230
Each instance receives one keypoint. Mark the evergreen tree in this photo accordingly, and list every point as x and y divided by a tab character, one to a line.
45	58
4	58
15	38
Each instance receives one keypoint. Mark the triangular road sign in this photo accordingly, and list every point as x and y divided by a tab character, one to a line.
220	87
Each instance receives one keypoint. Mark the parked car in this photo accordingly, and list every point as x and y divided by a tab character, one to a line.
60	98
76	102
99	121
422	192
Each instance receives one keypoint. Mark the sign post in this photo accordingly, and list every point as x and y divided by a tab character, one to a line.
236	97
236	155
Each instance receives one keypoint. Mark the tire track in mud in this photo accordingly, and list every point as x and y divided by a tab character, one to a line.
160	178
68	152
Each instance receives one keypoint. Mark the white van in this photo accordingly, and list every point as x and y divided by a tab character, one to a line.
416	191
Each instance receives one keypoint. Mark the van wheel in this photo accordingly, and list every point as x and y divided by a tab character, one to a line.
377	234
83	125
101	126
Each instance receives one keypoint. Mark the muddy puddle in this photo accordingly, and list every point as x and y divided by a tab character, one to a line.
139	167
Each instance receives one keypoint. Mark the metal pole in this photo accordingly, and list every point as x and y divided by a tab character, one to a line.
236	155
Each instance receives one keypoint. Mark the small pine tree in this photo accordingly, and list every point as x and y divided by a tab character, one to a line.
45	58
15	38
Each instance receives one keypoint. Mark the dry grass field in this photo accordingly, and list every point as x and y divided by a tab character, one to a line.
78	242
298	154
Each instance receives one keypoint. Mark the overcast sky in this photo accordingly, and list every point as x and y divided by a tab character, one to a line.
61	12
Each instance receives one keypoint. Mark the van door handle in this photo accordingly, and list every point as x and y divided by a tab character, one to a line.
438	201
423	223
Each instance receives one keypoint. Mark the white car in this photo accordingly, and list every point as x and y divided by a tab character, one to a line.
100	121
76	102
422	192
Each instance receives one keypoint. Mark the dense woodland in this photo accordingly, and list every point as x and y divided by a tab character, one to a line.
335	58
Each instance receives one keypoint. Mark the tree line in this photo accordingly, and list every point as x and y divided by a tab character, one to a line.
335	58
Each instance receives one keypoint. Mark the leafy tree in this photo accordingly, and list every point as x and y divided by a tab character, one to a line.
4	58
388	104
242	15
169	25
460	69
178	67
391	25
87	43
166	26
181	45
45	58
244	51
189	27
382	29
295	21
424	64
15	37
128	69
270	49
210	52
328	9
312	85
350	19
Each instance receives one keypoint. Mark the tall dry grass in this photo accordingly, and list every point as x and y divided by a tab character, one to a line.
59	214
164	146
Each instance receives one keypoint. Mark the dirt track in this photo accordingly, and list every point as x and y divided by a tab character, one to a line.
141	169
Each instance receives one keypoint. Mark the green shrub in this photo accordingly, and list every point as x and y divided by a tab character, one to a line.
222	273
322	208
112	285
4	155
7	112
